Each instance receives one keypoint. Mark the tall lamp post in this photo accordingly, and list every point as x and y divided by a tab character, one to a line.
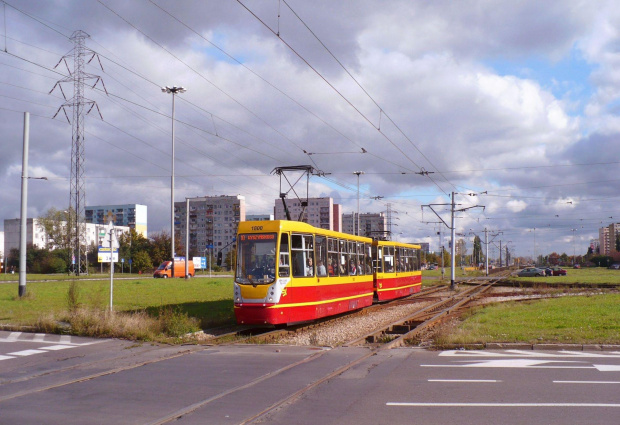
574	257
172	90
358	201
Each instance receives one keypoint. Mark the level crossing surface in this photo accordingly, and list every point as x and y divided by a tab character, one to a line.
112	381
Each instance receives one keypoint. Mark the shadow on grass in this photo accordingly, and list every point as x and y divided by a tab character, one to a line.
208	313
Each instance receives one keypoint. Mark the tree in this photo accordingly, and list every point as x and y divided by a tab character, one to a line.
131	243
477	251
56	225
142	261
159	248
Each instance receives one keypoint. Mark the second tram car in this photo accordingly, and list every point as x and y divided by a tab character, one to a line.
289	272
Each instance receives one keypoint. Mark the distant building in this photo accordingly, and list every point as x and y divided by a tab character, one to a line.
258	217
337	218
213	220
129	215
371	224
35	233
607	239
603	238
594	245
319	212
2	244
614	234
424	246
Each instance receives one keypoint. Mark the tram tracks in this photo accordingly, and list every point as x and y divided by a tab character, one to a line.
267	335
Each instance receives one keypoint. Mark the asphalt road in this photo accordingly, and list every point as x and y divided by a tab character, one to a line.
55	379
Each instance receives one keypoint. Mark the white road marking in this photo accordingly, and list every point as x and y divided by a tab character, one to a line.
57	347
465	380
607	367
38	337
527	353
13	336
515	363
586	382
65	339
5	357
502	404
26	353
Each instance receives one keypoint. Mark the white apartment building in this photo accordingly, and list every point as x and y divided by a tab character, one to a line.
213	220
371	224
35	233
128	215
319	212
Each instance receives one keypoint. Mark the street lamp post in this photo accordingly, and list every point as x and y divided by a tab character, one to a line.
172	90
358	201
574	257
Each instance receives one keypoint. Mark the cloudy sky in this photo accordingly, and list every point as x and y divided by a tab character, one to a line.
512	105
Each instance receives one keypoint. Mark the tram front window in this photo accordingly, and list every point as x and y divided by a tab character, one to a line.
256	258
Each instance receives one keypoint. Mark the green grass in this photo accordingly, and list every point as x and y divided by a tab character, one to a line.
207	300
572	319
594	275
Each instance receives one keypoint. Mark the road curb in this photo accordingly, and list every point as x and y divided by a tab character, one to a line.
533	347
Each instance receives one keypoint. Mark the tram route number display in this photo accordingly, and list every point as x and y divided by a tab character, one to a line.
263	237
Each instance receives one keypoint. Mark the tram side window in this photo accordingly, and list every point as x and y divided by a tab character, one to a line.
416	259
377	255
302	252
406	259
320	251
284	265
359	262
368	256
411	262
344	258
352	257
332	256
388	259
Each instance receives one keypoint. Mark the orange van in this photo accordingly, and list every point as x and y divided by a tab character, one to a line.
165	269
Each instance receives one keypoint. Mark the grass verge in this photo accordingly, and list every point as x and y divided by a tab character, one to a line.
144	309
572	319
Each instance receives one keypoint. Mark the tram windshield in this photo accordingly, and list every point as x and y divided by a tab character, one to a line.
256	255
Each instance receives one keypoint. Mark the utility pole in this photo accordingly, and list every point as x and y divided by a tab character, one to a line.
486	259
186	238
452	248
500	253
452	232
24	209
357	233
78	103
174	90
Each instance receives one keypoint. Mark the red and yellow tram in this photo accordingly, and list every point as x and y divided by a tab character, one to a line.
289	271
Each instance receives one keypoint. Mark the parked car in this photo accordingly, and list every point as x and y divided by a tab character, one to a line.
548	271
614	266
576	266
531	271
558	271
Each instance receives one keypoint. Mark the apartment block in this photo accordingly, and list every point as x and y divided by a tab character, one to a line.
319	212
371	224
36	236
213	220
133	216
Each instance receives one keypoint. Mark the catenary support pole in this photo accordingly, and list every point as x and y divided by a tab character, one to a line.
452	248
186	238
486	257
